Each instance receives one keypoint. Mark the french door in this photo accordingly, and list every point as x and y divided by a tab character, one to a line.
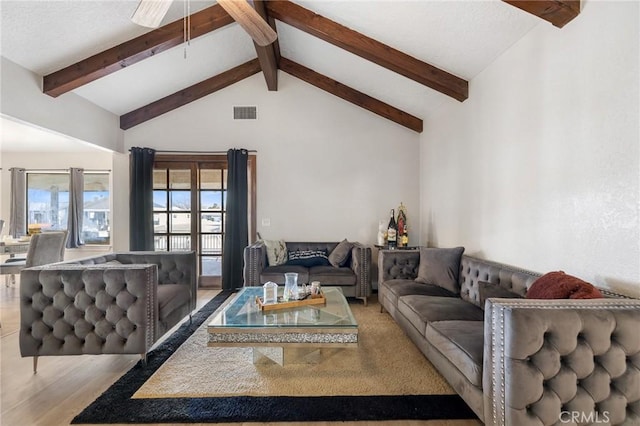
189	203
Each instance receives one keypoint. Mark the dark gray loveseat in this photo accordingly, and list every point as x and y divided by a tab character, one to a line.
520	362
354	278
117	303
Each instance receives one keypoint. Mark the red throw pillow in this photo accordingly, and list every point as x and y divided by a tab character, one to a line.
558	285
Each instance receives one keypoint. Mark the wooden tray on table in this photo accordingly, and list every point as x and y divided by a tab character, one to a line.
312	299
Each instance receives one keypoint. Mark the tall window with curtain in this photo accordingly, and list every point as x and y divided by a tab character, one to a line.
191	208
74	200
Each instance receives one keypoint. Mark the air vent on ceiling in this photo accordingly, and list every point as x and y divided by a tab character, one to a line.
245	112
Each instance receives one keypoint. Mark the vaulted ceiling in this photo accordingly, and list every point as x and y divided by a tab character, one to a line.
398	59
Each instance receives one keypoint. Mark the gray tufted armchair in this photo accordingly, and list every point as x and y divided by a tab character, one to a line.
119	303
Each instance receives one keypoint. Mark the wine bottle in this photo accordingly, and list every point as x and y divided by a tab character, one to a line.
392	231
402	235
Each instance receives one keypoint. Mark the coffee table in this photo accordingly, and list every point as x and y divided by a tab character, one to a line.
287	335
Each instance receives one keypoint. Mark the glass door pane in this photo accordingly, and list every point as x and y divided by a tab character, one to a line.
212	186
172	209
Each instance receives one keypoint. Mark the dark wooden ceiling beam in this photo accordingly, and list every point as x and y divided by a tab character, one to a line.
558	12
132	51
267	54
368	48
189	94
351	95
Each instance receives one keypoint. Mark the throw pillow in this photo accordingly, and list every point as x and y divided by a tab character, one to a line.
340	255
308	258
441	267
558	285
487	290
276	252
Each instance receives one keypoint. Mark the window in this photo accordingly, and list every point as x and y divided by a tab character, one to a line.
47	200
48	204
97	201
189	208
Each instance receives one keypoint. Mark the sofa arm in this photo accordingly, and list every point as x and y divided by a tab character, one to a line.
398	264
361	266
79	309
174	267
255	260
561	361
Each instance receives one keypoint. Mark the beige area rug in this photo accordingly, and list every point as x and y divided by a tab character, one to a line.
386	362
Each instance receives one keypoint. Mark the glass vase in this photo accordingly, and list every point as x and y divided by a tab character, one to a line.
290	286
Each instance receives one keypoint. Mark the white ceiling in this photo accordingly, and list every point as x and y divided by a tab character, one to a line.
462	37
18	136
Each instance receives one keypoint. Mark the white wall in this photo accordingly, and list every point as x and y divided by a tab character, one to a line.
326	169
539	168
69	114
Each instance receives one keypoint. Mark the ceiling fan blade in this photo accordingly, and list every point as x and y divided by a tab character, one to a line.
149	13
250	20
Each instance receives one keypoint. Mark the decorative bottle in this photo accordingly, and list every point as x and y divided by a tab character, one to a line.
403	237
382	230
392	231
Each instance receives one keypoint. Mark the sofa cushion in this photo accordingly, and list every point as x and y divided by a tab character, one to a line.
308	258
340	255
276	274
462	342
328	275
487	290
393	289
420	310
558	285
440	266
276	252
172	297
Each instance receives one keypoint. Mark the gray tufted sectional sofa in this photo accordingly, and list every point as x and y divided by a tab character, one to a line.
354	279
118	303
516	361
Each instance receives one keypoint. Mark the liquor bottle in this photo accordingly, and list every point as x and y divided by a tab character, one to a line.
392	231
402	237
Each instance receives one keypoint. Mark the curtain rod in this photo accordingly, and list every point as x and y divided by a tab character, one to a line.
198	152
66	170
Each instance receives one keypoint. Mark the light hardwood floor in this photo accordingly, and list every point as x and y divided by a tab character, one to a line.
64	386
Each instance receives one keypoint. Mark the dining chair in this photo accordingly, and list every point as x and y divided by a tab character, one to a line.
44	248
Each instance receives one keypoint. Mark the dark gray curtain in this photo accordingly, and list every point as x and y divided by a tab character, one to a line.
141	199
18	213
76	208
236	236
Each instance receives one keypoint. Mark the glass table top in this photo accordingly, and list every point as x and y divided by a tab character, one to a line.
243	311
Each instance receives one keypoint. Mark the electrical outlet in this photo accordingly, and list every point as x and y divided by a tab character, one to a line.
266	222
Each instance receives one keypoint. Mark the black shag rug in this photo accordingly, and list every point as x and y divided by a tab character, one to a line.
115	405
